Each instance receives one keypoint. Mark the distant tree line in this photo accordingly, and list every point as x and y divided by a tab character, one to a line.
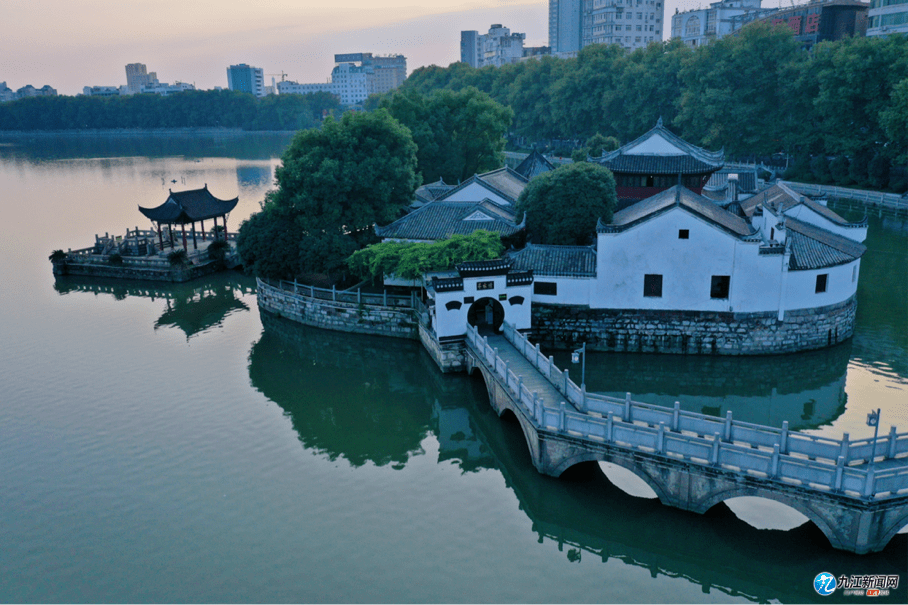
188	109
755	94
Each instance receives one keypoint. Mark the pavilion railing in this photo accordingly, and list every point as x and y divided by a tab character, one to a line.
791	456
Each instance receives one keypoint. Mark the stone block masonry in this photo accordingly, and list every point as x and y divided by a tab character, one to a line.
450	356
335	315
692	332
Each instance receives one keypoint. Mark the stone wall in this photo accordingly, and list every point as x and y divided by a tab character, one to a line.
340	316
128	271
450	356
692	332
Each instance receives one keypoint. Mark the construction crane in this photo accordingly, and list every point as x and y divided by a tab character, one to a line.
282	75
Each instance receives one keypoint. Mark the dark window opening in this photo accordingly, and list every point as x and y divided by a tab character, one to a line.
468	299
516	300
683	233
485	285
719	286
454	304
652	285
545	287
822	281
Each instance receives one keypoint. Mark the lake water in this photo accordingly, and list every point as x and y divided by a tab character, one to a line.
168	443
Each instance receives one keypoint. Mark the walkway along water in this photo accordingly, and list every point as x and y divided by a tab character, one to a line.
856	492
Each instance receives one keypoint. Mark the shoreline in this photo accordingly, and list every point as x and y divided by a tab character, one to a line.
131	132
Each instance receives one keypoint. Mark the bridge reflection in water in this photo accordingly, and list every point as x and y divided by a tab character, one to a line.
375	400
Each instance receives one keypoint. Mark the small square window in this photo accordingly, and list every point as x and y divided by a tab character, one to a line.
822	282
683	233
652	286
719	286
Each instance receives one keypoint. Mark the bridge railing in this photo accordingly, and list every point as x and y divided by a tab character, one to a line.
794	457
876	198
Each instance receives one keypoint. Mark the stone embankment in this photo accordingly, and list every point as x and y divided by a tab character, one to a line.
692	332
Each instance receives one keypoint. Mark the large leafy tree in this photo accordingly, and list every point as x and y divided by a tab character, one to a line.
458	134
563	206
333	185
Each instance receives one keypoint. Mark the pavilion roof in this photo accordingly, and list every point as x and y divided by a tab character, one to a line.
534	165
660	151
189	206
440	220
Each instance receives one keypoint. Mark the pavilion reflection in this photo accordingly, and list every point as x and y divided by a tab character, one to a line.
192	307
368	399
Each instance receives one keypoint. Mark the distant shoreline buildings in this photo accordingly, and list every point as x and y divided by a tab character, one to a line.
355	76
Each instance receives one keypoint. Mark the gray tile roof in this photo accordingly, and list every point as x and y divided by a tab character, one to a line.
440	220
556	261
696	161
815	248
504	181
534	165
683	198
782	198
189	206
432	191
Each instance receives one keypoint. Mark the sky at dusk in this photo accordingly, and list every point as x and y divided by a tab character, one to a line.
71	44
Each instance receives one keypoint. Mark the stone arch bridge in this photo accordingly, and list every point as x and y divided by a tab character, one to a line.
693	461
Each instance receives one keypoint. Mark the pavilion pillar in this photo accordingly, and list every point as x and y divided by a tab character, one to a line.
160	237
183	228
225	227
203	231
194	245
170	231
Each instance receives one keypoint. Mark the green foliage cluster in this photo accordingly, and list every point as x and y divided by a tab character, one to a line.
177	258
755	94
458	133
217	250
188	109
334	183
563	206
410	260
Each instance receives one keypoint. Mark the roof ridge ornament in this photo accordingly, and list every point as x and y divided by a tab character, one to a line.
659	122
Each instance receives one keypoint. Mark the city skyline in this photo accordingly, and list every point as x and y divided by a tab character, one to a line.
70	46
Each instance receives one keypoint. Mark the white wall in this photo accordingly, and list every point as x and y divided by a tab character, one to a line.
803	213
571	290
454	322
686	266
474	192
800	286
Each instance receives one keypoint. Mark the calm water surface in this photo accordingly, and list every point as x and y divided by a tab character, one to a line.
168	443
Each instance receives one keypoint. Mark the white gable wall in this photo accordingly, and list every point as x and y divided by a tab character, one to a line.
476	192
803	213
841	284
686	266
655	145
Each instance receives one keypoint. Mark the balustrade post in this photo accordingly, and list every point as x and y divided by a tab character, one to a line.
583	407
551	366
296	287
566	379
869	483
333	293
660	440
714	456
627	408
839	473
728	426
520	388
507	377
676	416
359	296
774	470
783	445
846	447
609	425
891	453
384	297
561	419
536	356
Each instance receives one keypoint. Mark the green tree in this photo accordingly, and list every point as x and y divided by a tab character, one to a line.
878	171
333	185
894	120
458	134
563	206
598	145
838	169
819	166
411	260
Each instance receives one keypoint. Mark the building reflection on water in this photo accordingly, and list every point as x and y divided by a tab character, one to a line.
375	400
192	307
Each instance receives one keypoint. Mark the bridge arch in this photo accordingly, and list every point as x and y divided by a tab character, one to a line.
899	526
827	526
630	466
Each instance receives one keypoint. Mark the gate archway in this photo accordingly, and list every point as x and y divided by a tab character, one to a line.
486	313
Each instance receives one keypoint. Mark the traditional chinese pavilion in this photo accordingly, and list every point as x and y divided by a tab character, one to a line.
656	161
188	208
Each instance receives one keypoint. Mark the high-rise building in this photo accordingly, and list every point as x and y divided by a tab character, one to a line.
383	73
138	76
699	27
887	17
246	78
565	25
498	47
814	22
574	24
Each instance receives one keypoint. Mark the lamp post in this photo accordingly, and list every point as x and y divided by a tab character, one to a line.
576	358
873	419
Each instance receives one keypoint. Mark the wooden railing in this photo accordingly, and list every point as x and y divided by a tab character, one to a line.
780	454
